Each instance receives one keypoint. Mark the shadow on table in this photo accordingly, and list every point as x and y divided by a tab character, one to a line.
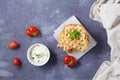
52	61
77	65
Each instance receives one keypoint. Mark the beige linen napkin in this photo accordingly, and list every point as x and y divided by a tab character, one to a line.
109	71
108	13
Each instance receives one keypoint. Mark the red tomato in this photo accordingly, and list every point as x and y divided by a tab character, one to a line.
13	44
32	31
16	62
70	61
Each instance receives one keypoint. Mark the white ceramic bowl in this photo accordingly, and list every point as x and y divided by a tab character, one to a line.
29	55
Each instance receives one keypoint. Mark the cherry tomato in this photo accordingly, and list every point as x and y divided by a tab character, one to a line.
32	31
13	44
70	61
16	62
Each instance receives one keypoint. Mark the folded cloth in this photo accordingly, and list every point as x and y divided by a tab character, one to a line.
108	13
109	71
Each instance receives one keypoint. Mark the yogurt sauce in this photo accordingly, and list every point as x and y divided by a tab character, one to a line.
39	54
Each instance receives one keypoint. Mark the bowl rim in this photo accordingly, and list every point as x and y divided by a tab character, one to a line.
28	54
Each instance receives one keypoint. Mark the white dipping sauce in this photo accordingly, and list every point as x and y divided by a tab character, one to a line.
38	54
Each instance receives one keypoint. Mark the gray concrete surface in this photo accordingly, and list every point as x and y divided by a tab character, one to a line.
17	15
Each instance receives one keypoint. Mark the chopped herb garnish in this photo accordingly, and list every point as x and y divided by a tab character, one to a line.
32	57
38	55
74	34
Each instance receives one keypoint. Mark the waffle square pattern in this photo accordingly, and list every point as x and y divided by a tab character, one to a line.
74	45
69	45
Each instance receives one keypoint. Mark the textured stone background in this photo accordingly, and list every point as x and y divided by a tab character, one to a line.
17	15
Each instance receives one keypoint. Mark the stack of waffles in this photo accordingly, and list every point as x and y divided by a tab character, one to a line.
78	44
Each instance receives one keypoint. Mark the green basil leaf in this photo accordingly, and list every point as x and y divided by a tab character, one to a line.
74	34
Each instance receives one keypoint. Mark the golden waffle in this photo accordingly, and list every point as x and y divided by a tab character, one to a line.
79	44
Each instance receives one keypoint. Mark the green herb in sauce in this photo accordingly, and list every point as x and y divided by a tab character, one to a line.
32	57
